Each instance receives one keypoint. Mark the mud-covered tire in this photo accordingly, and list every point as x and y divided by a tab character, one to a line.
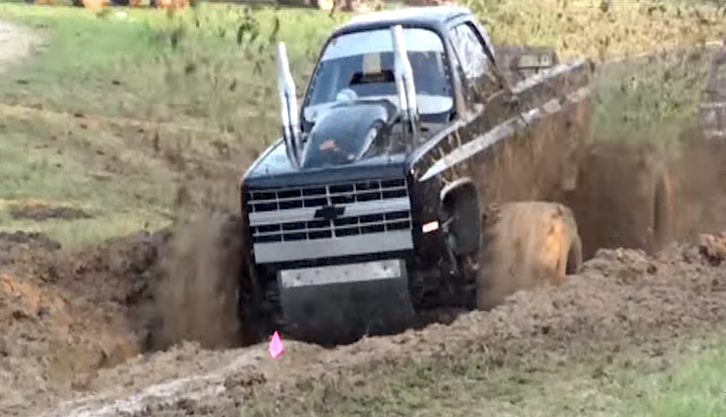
526	244
624	198
198	298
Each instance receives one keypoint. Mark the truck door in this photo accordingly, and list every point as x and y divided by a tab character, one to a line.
496	124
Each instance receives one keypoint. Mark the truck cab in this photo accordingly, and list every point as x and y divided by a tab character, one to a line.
368	209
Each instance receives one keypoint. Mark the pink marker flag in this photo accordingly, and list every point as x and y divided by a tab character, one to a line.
276	348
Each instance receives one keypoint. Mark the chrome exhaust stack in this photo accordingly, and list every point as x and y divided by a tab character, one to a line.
404	78
289	110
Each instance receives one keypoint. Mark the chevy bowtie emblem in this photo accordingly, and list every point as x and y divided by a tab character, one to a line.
329	212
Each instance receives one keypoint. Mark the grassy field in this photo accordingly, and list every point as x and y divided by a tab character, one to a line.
132	116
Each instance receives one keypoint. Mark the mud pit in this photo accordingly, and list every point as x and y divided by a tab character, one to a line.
621	298
65	315
70	319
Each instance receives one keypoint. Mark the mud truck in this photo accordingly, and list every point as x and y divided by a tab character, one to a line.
372	205
425	170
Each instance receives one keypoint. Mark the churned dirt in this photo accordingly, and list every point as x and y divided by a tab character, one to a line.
621	298
64	316
42	212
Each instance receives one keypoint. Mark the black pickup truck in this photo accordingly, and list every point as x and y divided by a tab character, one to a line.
379	200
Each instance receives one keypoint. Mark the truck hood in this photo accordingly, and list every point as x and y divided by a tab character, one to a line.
349	132
273	169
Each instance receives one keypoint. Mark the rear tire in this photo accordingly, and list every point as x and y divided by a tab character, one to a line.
624	198
526	244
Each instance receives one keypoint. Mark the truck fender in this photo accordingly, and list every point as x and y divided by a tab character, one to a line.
453	186
462	220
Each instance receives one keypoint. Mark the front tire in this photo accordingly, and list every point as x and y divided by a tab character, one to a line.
526	244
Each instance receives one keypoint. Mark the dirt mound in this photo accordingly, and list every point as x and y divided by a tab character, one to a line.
66	314
622	299
30	240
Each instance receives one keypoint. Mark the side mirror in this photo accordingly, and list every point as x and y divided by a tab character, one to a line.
289	110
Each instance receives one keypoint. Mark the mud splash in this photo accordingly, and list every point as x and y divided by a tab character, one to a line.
197	298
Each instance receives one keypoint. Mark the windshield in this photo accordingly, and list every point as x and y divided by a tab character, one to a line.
360	65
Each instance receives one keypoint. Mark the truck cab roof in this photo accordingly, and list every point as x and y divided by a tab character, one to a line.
429	16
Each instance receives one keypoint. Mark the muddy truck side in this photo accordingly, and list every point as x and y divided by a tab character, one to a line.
422	170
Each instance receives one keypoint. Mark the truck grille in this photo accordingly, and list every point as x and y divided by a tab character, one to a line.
309	199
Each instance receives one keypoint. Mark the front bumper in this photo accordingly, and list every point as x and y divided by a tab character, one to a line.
340	303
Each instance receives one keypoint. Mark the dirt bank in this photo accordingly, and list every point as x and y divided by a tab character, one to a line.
64	315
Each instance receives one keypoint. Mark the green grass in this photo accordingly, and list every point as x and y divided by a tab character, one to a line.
59	170
154	67
212	68
686	379
650	100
